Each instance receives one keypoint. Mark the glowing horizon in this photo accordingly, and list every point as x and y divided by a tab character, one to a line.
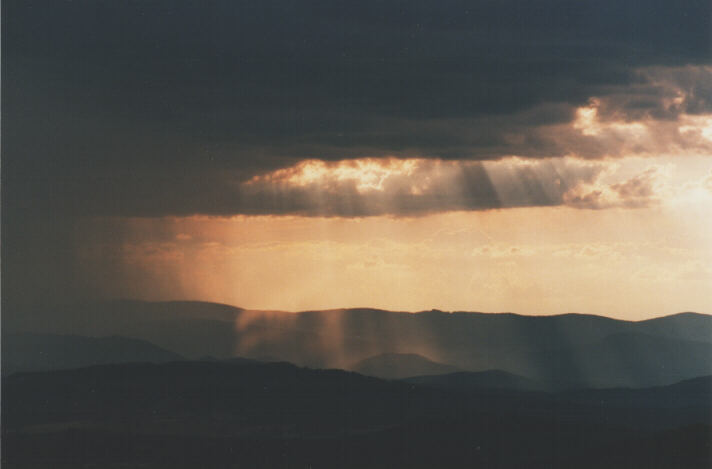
629	260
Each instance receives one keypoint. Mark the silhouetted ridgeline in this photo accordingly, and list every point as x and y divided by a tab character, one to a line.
472	380
257	415
480	390
400	365
39	352
568	350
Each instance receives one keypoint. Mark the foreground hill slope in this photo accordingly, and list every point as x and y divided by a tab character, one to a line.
247	414
476	380
400	365
40	352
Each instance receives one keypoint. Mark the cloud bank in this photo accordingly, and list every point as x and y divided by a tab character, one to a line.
159	108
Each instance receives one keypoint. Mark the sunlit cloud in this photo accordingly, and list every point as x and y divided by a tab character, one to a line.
608	130
368	174
699	127
645	189
419	186
588	122
418	166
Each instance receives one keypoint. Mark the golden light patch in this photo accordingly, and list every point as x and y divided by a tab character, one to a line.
367	174
530	260
697	126
589	123
587	119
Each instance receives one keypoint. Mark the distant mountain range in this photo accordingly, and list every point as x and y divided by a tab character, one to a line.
571	350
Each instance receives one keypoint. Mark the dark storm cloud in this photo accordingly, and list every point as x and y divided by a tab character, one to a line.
169	107
139	108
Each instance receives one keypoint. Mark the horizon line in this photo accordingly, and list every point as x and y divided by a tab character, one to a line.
356	308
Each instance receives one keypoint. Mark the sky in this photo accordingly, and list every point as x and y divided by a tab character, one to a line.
538	157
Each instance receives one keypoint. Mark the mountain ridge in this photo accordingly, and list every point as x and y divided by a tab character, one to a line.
45	352
400	365
128	301
258	413
557	347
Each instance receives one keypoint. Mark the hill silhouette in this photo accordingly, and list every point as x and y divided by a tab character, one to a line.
575	350
247	414
473	380
39	352
400	365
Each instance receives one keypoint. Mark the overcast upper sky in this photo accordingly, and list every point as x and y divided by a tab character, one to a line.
134	110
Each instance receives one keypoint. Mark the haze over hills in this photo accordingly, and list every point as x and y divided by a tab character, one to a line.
575	350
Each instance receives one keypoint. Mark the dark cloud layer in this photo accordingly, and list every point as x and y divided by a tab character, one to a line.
115	107
106	100
169	107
